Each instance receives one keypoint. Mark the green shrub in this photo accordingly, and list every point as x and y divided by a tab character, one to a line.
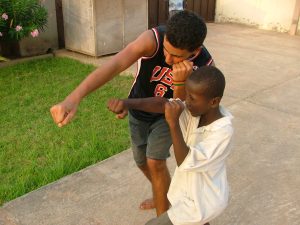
21	18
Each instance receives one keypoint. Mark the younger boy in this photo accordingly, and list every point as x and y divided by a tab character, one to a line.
201	132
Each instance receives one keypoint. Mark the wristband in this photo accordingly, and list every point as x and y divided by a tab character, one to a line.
178	84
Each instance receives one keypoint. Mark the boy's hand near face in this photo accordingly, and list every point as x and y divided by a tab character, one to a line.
182	70
118	107
173	110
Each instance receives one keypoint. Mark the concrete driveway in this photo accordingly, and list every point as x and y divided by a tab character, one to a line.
263	93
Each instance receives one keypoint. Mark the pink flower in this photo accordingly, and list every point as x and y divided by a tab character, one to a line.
34	33
4	16
18	28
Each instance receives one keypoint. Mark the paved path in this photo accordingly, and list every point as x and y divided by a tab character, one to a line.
263	92
96	61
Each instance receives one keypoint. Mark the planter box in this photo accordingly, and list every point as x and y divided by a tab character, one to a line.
46	40
101	27
10	49
30	46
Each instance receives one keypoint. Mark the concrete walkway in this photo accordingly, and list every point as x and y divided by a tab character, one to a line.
263	92
96	61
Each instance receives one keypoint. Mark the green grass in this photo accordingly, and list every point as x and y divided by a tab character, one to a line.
33	150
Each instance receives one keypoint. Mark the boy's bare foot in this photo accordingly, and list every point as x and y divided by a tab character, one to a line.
147	204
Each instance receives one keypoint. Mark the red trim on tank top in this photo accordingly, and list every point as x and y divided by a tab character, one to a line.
139	61
157	44
209	62
138	66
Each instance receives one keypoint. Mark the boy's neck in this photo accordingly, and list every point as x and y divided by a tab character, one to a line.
209	117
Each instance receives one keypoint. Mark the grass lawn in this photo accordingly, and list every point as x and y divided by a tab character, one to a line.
33	150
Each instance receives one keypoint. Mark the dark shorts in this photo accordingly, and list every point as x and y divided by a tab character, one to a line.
149	140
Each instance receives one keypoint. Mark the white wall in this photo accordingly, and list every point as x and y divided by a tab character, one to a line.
101	27
264	14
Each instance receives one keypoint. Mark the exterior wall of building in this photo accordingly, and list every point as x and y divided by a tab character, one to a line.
264	14
101	27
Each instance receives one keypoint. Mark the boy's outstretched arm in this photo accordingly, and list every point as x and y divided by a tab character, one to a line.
121	106
173	109
144	45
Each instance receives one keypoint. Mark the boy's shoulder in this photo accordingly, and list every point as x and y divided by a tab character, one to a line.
224	122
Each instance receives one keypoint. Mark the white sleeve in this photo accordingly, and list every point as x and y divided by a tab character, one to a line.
209	152
184	120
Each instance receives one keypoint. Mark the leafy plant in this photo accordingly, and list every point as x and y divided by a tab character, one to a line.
21	18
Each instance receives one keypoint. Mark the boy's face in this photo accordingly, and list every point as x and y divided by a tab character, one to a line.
176	55
196	101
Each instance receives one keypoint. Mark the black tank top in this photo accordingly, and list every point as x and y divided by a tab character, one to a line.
154	77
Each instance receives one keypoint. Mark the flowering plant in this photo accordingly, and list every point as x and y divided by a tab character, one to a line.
21	18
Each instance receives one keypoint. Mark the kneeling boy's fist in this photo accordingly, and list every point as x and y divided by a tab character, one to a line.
118	107
173	109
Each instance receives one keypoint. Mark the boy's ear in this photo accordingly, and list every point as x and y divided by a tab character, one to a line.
215	102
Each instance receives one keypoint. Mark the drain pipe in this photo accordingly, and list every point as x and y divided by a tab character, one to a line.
295	20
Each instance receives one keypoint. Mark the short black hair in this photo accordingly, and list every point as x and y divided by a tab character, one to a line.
186	30
212	79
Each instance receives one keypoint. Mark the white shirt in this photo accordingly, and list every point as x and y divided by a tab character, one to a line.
199	189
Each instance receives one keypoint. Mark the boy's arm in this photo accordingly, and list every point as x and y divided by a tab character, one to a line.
144	45
173	110
180	72
209	152
152	104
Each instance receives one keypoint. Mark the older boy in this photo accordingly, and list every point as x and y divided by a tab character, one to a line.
166	55
201	132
